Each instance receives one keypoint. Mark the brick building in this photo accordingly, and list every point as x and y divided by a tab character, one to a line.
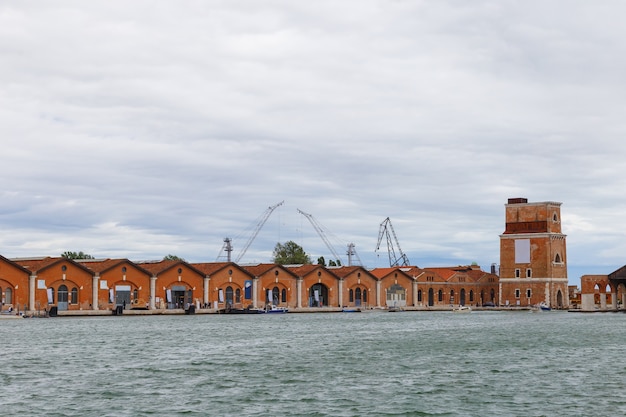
533	259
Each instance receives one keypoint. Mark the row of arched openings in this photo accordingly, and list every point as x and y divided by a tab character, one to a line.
462	300
63	296
357	296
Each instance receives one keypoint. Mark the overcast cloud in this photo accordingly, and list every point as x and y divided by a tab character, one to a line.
145	128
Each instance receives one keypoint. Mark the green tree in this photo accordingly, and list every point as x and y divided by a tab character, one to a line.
171	257
76	255
290	253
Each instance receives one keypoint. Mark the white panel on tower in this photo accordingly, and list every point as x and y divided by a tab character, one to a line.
522	251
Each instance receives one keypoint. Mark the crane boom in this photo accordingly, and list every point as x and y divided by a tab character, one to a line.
320	231
386	229
258	227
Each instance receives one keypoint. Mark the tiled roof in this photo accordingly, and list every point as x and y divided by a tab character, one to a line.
158	266
210	268
383	272
36	264
302	270
258	269
261	269
102	265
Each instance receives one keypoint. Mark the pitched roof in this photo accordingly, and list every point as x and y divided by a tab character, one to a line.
103	265
383	272
261	269
344	271
158	267
210	268
15	264
36	265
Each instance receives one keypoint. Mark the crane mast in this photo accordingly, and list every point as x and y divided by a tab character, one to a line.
228	248
320	232
351	252
386	229
258	227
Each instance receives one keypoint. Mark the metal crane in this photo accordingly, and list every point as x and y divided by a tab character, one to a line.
386	229
227	241
320	231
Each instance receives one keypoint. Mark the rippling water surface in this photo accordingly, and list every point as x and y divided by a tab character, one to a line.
334	364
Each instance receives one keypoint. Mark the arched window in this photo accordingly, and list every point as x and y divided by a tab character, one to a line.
135	294
62	294
357	294
365	296
8	295
283	296
275	295
555	218
440	296
74	296
557	259
237	295
493	295
471	296
451	296
419	296
351	295
229	295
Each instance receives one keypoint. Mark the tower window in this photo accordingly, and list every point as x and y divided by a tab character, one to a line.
517	273
555	218
557	259
529	273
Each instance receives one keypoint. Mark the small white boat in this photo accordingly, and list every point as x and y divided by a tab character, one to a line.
274	309
544	307
462	309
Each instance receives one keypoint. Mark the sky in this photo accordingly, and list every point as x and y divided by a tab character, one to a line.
146	128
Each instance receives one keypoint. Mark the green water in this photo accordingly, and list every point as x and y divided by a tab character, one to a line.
334	364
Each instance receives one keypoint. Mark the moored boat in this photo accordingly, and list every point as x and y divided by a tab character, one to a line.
544	307
274	309
462	309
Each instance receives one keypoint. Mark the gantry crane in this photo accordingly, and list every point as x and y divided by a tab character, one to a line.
386	229
228	242
320	231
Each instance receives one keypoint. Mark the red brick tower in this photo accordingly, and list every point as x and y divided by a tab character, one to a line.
533	261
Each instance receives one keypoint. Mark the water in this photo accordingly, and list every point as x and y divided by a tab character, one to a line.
359	364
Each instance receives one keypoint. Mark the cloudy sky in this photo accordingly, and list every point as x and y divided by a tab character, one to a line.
146	128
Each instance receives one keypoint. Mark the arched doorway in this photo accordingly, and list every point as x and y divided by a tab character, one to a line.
229	296
431	297
462	297
275	296
318	295
559	299
62	297
6	296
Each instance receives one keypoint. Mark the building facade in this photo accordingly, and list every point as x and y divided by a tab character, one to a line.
533	258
